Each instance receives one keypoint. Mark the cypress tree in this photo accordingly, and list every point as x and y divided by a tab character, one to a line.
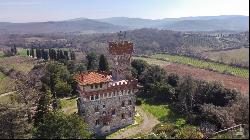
66	55
32	52
28	52
103	63
72	55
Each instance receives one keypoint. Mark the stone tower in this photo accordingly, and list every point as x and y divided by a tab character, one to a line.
107	102
120	55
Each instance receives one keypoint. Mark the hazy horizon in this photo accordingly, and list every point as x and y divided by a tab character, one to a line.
17	11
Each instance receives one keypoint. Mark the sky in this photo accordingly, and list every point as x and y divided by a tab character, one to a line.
54	10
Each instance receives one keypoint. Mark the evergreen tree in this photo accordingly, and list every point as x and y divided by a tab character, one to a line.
66	55
45	55
103	63
43	106
91	61
28	52
72	55
61	55
14	48
32	52
38	53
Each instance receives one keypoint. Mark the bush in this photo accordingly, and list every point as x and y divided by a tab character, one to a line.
164	127
138	102
188	132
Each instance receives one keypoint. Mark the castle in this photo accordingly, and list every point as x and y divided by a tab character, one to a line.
107	101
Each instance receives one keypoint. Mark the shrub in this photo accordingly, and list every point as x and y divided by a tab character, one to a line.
164	127
188	132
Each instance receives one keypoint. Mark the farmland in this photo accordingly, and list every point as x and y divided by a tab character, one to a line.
229	81
240	56
222	68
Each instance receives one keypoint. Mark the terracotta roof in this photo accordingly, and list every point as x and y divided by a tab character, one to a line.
120	48
92	77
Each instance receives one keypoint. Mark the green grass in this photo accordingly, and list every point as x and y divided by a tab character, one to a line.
1	54
69	105
22	52
6	83
222	68
162	112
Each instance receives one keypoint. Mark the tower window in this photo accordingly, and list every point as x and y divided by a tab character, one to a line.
92	97
100	85
96	97
96	109
129	102
123	116
113	112
104	113
97	122
123	104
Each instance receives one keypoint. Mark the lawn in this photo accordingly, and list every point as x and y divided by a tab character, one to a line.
69	105
222	68
162	112
6	83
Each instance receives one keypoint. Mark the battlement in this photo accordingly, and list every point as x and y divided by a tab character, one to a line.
120	48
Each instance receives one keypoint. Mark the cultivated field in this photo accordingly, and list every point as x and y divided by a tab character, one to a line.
19	63
229	81
240	56
222	68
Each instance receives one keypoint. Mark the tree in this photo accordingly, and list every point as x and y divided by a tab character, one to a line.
28	52
38	53
42	107
62	88
60	126
66	55
45	55
72	55
13	124
186	94
103	63
91	61
139	65
32	52
173	80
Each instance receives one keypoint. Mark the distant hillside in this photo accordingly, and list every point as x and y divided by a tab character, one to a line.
81	26
202	23
230	23
109	25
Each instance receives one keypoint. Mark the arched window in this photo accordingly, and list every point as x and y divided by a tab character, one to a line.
129	102
97	108
113	112
97	122
123	103
123	116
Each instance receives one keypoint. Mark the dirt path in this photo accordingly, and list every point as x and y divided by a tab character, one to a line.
8	93
149	121
228	81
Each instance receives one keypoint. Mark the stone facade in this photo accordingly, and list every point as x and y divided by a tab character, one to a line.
107	102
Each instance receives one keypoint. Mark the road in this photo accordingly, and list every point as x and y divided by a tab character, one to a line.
149	121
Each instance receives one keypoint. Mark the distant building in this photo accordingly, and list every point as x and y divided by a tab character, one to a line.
107	101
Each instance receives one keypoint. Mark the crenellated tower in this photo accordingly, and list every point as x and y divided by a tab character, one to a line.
120	55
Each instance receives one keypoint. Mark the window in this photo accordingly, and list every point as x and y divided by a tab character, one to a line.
123	116
92	97
113	112
103	106
123	104
96	97
104	95
100	85
104	113
91	86
96	86
114	93
97	122
129	102
96	109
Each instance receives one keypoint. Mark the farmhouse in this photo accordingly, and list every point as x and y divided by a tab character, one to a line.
107	101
